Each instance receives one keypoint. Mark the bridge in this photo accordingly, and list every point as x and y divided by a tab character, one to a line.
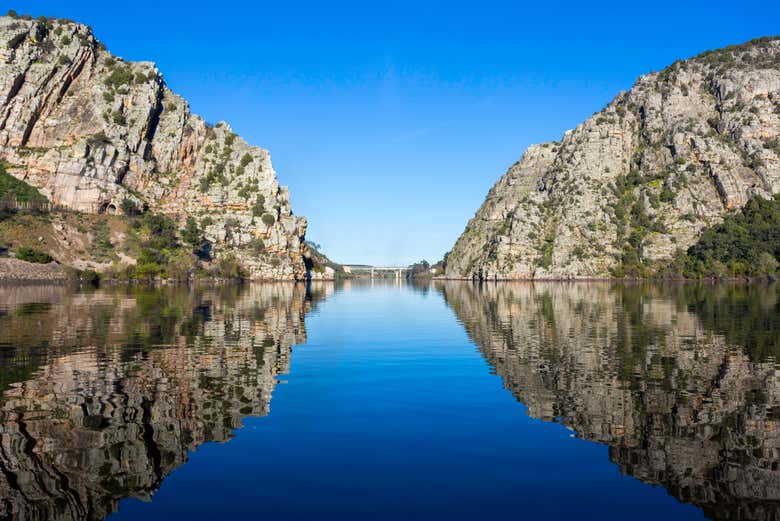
372	269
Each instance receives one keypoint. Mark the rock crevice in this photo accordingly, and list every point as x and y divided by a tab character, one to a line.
639	179
89	129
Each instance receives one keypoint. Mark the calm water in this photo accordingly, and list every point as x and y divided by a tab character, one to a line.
448	401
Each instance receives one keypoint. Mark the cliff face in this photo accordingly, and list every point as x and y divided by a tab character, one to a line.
639	180
91	130
678	402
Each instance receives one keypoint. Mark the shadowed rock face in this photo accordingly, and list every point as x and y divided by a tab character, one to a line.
681	383
104	394
640	178
91	130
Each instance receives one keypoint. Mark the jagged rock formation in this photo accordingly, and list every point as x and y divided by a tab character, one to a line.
677	403
117	392
90	130
638	180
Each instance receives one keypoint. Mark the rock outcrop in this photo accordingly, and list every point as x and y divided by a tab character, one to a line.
642	370
639	180
97	134
19	270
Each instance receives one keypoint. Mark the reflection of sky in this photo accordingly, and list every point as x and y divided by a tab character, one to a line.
390	412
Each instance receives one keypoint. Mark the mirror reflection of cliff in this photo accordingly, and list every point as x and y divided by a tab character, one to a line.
104	393
681	383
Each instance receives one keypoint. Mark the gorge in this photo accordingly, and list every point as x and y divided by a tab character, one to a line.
114	395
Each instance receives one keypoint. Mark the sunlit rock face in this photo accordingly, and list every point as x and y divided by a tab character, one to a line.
110	391
679	401
686	146
91	130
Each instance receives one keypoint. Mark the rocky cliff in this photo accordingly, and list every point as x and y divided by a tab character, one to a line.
98	134
639	180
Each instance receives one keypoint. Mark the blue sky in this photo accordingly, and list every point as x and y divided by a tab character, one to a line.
391	121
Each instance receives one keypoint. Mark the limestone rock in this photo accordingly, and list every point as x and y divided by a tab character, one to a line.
90	130
692	143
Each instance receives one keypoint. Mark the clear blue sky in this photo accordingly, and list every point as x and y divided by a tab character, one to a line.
390	121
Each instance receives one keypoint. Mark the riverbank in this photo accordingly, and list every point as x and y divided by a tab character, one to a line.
15	270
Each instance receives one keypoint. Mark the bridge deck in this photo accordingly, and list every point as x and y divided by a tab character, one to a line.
376	268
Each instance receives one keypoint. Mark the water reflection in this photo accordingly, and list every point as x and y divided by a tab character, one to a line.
105	392
681	383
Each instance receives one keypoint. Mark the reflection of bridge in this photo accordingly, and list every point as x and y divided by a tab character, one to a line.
363	267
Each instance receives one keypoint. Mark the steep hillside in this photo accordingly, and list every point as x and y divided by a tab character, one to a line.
637	182
98	134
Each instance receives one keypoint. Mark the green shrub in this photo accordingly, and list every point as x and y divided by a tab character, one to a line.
258	209
547	254
191	233
118	118
161	230
63	60
119	76
89	276
101	247
230	268
217	174
145	270
33	255
246	159
257	246
13	188
128	206
745	243
667	195
268	219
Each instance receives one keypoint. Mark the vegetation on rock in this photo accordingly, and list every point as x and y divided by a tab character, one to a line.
631	188
15	193
163	158
746	243
33	255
